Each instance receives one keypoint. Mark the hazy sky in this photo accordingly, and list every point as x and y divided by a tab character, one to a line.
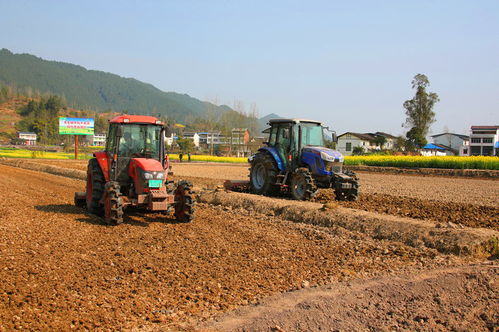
348	63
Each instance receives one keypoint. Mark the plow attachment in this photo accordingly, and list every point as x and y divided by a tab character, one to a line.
237	185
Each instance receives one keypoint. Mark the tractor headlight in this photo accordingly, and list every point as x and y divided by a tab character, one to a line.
326	157
160	175
148	176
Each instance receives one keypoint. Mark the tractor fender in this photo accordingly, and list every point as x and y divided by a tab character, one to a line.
103	161
273	152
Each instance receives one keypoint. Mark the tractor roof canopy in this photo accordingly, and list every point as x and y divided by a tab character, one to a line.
272	121
136	119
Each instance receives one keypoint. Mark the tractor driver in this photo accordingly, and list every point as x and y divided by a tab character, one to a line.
127	145
284	143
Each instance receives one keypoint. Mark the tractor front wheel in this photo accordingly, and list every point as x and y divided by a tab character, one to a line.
95	187
113	204
184	202
302	185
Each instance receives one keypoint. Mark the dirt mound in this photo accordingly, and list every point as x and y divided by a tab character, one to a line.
458	299
470	215
474	173
41	167
412	232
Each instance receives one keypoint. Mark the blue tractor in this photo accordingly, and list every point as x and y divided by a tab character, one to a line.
295	159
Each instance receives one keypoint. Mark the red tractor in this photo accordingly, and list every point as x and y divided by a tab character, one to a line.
133	171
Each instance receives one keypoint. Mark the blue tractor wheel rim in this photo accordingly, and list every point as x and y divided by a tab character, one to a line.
300	186
259	175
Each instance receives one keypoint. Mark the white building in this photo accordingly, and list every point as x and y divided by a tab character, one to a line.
484	141
367	141
169	139
211	138
99	139
453	144
194	137
28	137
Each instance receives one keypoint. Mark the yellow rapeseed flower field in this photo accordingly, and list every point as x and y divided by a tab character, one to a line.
473	162
208	158
22	153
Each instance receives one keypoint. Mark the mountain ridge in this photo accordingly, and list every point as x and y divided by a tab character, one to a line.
98	90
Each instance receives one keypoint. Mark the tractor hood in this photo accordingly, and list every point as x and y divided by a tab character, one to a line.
325	153
146	164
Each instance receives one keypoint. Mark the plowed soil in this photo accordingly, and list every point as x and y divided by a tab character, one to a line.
431	301
470	215
62	269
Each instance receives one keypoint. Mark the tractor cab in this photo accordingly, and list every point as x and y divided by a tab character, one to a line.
135	150
291	136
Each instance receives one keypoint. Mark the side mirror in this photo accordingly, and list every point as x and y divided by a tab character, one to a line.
119	131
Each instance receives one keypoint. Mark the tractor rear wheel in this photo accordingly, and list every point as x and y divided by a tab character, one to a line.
263	174
302	185
184	202
95	187
113	204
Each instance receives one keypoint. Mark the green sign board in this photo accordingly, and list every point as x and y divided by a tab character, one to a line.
76	126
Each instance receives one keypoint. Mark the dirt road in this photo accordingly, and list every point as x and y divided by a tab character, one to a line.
431	301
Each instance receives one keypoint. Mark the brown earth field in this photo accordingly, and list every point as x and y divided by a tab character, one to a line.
62	269
463	201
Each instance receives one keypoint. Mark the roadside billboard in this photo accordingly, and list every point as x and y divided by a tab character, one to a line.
76	126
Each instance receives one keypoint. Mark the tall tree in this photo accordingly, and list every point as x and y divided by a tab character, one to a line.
419	111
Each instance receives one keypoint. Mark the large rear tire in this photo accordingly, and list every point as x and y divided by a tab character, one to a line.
302	185
113	204
263	175
95	187
184	202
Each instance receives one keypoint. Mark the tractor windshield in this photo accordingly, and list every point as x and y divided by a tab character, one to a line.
311	134
140	140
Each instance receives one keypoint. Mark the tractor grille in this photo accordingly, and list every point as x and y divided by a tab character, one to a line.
335	167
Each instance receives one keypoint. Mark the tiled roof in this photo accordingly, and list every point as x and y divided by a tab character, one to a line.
484	127
458	135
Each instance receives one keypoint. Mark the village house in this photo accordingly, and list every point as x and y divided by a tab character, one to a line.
348	141
194	137
447	144
99	139
484	141
239	142
28	138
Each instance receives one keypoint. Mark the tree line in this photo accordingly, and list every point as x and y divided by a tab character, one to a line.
41	113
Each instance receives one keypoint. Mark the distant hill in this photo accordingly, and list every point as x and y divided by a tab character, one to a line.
262	122
97	90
